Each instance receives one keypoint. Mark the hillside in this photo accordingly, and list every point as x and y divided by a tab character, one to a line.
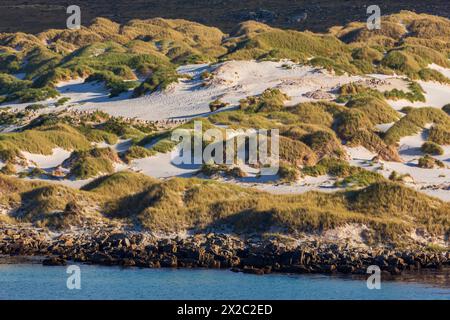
86	120
19	15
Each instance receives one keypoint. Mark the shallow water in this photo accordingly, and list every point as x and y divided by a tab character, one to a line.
34	281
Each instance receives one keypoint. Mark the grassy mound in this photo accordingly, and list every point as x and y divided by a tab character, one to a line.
428	162
432	148
414	121
388	209
137	152
377	110
296	152
91	163
269	100
396	200
42	140
119	184
439	134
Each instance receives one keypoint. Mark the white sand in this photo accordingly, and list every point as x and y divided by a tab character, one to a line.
47	161
444	71
435	182
322	183
232	81
436	94
384	126
161	166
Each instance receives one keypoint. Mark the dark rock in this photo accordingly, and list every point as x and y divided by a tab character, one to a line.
54	261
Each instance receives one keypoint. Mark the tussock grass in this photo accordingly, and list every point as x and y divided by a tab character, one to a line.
296	152
390	210
432	148
376	109
42	140
137	152
120	184
428	162
414	121
439	134
91	163
269	100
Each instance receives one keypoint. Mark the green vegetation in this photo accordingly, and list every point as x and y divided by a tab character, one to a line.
415	93
160	79
62	101
217	104
390	210
34	107
429	162
288	173
137	152
269	100
414	121
376	109
91	163
41	140
432	148
211	170
395	176
439	134
8	169
119	54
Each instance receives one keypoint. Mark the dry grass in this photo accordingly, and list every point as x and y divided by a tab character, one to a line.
390	210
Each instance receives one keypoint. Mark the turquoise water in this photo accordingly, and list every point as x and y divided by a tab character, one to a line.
33	281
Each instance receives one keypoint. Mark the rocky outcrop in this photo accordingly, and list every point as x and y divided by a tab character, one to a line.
130	249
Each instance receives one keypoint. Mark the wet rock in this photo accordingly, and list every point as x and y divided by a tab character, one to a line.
54	261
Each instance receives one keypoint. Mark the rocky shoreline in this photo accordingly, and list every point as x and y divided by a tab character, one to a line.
138	249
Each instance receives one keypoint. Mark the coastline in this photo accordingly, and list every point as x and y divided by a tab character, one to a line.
117	247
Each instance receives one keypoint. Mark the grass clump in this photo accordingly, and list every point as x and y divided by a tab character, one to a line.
439	134
361	178
331	166
432	148
376	109
428	162
324	143
415	93
137	152
414	121
62	101
43	140
160	79
350	122
8	169
212	170
217	104
296	152
396	177
288	173
270	100
34	107
91	163
120	184
115	84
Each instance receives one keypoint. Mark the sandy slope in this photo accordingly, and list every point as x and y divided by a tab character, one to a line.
435	182
189	98
436	94
231	82
47	161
